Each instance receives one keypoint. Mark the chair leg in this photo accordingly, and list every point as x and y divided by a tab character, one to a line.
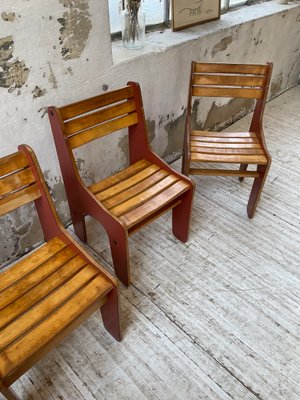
79	225
185	164
257	187
111	315
181	216
119	251
8	393
243	167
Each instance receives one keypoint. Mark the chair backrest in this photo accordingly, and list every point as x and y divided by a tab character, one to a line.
22	182
230	80
98	116
18	185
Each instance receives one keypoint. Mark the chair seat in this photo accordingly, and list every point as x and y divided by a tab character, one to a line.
139	191
226	147
40	297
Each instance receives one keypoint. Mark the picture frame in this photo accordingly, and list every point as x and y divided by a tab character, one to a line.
187	13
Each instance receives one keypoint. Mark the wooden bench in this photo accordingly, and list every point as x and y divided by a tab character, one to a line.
248	81
133	197
48	293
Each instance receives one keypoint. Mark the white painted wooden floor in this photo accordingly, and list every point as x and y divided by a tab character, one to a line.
215	318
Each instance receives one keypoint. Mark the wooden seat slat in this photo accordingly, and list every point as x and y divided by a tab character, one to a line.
98	131
225	145
98	117
136	189
19	198
27	300
223	134
87	105
31	262
126	184
119	176
229	80
34	277
145	210
144	196
48	329
238	159
211	150
45	307
16	181
229	92
13	162
231	68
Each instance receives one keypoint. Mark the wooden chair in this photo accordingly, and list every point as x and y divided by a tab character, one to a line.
232	81
49	292
133	197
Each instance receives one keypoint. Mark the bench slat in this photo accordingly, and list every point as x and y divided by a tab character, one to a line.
231	68
229	80
238	159
12	163
19	198
208	150
16	181
223	134
244	93
225	145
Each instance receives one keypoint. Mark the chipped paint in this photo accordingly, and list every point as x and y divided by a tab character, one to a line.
38	92
52	78
276	85
75	28
222	45
175	130
13	73
8	16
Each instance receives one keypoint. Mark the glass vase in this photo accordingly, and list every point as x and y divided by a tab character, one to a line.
133	28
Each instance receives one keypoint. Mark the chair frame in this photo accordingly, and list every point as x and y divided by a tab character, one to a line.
37	192
82	201
256	125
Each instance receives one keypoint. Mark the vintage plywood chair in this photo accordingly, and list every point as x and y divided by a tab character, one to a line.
232	81
126	201
49	292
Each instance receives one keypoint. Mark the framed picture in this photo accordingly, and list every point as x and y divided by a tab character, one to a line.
186	13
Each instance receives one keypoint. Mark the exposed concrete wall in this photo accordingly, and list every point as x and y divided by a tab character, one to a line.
62	53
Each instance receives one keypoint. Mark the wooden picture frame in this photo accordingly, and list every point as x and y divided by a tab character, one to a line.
186	13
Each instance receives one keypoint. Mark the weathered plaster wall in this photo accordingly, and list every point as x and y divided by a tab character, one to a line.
62	53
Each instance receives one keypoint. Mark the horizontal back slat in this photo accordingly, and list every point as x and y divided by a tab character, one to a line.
102	130
231	68
90	120
229	80
13	162
19	198
16	181
227	92
84	106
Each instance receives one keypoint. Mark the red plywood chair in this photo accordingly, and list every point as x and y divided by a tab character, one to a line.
49	292
244	148
133	197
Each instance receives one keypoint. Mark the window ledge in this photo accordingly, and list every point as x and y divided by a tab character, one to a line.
158	42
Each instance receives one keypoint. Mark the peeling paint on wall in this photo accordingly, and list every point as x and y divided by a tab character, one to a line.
222	45
19	232
52	79
175	130
13	73
276	85
75	28
8	16
38	92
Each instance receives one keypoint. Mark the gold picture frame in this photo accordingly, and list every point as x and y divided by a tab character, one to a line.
186	13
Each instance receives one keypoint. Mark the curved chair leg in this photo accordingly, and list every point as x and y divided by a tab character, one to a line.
181	216
185	164
8	393
79	225
243	167
257	187
111	315
119	251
